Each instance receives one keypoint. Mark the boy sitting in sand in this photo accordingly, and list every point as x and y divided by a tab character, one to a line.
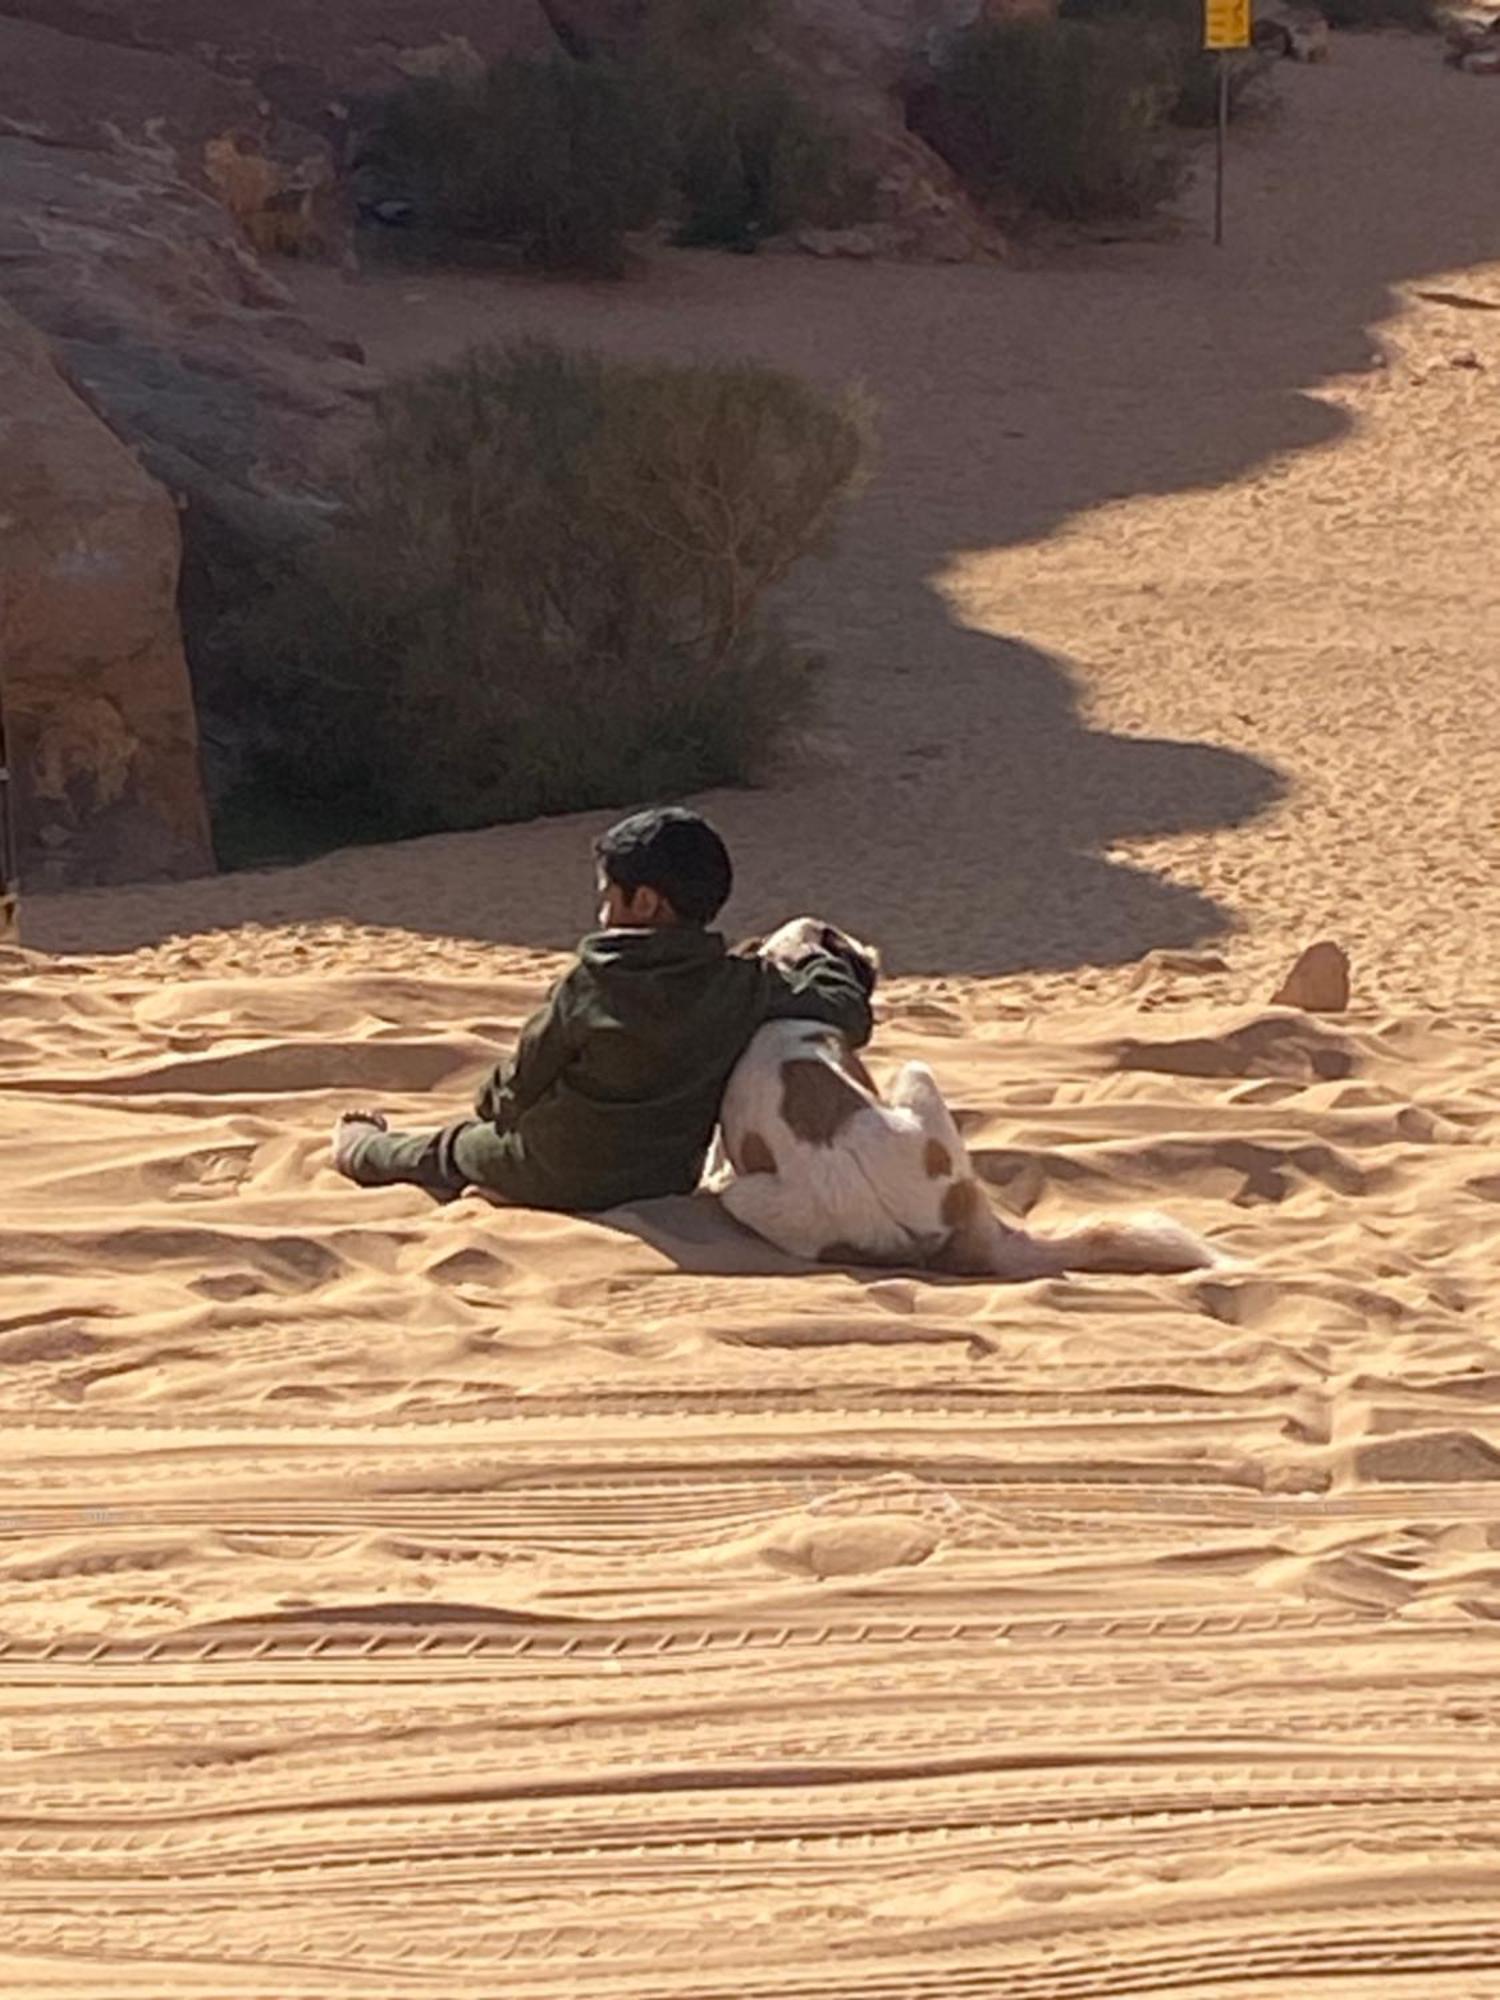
614	1090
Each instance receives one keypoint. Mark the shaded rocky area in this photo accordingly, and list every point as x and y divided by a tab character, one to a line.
127	238
861	61
856	59
99	714
157	157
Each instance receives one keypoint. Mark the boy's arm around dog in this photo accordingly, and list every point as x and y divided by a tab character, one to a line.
824	989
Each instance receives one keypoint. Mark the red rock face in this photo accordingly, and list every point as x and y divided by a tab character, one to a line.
99	716
332	47
115	246
72	92
167	321
253	96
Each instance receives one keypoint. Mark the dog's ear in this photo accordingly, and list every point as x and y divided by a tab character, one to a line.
865	967
747	948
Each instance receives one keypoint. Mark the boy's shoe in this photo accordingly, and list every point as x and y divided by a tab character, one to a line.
347	1133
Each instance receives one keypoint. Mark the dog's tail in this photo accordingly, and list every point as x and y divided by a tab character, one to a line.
1133	1247
1136	1246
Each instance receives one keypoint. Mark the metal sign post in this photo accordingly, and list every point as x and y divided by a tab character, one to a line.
1221	147
1226	26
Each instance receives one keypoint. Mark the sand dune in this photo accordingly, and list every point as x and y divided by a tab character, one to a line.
401	1600
405	1602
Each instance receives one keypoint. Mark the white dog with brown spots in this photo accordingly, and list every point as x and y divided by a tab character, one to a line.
816	1160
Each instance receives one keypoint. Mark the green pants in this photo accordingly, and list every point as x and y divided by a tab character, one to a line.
446	1161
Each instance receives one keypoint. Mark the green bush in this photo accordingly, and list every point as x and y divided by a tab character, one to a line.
556	158
561	158
751	158
1178	27
547	594
1064	116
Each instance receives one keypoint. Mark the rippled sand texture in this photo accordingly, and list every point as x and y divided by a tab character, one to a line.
400	1602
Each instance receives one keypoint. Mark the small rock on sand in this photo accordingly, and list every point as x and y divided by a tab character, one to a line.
1319	982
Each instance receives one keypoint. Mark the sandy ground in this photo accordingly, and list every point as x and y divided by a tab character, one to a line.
400	1602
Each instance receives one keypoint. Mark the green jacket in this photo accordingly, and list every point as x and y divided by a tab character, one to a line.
614	1091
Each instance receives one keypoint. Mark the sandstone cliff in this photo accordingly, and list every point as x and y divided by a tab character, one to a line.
98	711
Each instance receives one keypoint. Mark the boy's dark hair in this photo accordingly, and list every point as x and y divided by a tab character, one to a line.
673	851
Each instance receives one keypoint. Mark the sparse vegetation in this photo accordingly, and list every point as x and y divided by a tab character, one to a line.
547	594
750	156
1178	27
559	160
1066	117
752	161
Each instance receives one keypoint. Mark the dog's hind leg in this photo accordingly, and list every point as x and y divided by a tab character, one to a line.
763	1204
978	1244
914	1088
975	1242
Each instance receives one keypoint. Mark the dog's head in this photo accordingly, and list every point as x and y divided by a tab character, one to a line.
805	938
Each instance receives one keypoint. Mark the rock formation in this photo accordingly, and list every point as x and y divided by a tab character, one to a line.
80	94
857	58
1319	981
118	242
99	717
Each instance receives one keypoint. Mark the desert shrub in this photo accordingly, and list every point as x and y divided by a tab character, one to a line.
547	594
559	159
1065	117
1177	26
562	158
753	161
751	157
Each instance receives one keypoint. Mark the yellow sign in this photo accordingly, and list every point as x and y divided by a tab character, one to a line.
1226	24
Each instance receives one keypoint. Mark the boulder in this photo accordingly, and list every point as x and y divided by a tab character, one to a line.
866	61
134	186
857	59
166	321
1292	29
1318	983
1473	38
98	711
278	179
